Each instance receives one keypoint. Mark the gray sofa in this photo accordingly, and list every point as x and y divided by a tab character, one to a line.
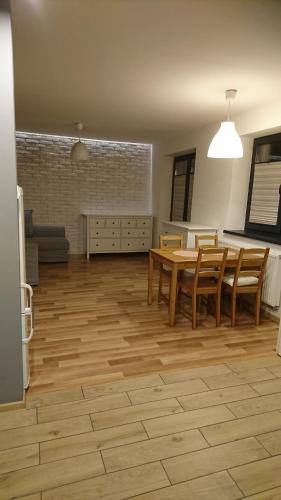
43	244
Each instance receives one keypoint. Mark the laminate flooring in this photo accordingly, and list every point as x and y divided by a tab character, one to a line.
206	433
93	325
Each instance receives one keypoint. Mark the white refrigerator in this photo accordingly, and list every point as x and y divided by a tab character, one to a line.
26	293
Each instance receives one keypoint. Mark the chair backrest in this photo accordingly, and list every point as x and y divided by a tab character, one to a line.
206	240
251	263
171	240
210	264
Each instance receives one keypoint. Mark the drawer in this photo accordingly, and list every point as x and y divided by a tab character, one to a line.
135	244
104	245
97	222
135	233
104	232
128	222
144	222
112	222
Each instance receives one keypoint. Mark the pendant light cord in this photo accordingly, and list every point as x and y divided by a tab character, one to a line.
228	109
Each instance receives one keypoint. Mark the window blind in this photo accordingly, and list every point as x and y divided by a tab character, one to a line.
265	194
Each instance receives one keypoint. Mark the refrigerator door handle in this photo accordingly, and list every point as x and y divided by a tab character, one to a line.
28	311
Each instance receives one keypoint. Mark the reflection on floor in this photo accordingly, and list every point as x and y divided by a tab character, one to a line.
206	433
92	325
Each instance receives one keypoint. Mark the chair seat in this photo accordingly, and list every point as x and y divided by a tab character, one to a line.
242	281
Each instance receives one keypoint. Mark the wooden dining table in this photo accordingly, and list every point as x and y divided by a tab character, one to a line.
178	260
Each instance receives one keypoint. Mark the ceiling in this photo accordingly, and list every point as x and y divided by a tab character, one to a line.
140	70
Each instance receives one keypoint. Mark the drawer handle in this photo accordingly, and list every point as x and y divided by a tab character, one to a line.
113	222
143	232
144	223
97	222
97	245
113	244
128	244
129	232
129	223
143	244
97	233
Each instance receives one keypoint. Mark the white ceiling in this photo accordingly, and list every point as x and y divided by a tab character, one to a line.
141	69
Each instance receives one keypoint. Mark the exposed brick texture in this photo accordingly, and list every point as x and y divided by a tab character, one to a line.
115	180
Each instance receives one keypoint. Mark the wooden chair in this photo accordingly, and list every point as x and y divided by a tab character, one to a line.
201	239
247	279
174	242
207	279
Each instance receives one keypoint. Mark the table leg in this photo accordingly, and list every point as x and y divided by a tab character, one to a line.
150	279
173	295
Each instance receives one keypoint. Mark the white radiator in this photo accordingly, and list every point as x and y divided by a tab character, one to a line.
272	281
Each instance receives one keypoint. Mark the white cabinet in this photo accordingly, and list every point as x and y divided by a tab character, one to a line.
188	230
109	234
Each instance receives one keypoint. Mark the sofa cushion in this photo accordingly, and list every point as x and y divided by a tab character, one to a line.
52	243
28	224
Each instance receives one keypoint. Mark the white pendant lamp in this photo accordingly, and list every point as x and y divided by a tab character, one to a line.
226	143
79	151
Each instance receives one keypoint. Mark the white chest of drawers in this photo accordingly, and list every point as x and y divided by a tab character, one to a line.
118	233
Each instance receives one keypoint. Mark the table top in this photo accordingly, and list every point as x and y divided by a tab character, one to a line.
188	255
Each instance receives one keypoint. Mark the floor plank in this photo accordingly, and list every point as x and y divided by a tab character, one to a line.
242	428
245	377
152	450
58	449
17	418
187	420
122	386
167	391
216	397
44	432
256	405
136	413
217	486
259	476
115	486
214	459
19	458
76	408
40	477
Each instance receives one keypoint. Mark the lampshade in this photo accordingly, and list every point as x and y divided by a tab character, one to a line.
79	152
226	143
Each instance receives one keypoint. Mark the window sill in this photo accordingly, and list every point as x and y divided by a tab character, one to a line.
256	235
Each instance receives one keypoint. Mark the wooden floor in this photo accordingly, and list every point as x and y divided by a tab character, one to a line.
209	433
92	325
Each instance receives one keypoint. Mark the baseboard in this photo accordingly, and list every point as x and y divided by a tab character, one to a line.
16	405
269	315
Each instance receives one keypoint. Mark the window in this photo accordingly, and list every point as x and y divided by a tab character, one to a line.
182	188
264	208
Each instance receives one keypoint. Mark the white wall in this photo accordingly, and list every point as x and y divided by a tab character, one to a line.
220	186
11	383
116	179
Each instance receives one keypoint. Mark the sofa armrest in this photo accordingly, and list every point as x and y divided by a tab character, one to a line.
49	231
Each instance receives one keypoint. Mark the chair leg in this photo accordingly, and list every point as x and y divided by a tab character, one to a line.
194	300
233	309
258	307
160	283
218	309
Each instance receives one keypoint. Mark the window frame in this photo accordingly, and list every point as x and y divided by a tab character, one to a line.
187	157
252	226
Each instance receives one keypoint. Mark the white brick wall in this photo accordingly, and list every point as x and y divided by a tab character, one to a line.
115	179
